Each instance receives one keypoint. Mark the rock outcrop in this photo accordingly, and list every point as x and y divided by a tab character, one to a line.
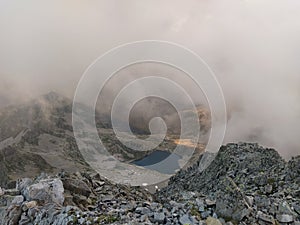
245	183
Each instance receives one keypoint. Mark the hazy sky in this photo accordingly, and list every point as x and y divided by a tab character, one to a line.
252	46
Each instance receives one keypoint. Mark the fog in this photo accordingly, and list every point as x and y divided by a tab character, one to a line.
252	46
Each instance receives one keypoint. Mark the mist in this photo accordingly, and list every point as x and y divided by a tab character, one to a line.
252	46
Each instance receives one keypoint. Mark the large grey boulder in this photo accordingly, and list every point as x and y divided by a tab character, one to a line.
46	191
1	192
23	183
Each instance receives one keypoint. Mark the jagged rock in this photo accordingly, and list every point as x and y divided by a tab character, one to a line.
18	200
6	200
285	218
268	189
200	204
142	210
249	200
29	205
46	191
205	160
25	220
212	221
262	201
12	216
32	213
11	192
240	194
265	218
210	202
159	217
185	219
144	218
23	183
246	161
77	186
245	180
231	208
284	208
205	214
296	207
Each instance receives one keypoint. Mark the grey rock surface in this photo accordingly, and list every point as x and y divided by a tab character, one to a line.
233	189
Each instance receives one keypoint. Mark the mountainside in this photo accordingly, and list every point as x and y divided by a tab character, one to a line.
244	184
37	136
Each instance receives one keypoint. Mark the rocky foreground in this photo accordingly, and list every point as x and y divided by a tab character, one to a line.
244	184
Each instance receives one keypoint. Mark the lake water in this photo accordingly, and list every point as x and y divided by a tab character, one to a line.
152	160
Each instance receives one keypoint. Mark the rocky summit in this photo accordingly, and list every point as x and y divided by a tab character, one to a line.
242	184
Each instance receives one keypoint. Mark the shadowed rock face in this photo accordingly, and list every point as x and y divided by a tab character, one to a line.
3	174
37	137
17	163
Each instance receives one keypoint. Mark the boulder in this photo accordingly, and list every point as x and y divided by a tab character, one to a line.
265	217
285	218
29	205
213	221
12	216
18	200
159	217
77	186
23	183
185	219
46	191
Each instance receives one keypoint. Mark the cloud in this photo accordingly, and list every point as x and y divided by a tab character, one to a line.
252	46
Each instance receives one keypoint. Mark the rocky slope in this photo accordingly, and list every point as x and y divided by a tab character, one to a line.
78	198
37	137
243	184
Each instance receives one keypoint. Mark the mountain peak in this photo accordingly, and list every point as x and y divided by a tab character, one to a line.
53	96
